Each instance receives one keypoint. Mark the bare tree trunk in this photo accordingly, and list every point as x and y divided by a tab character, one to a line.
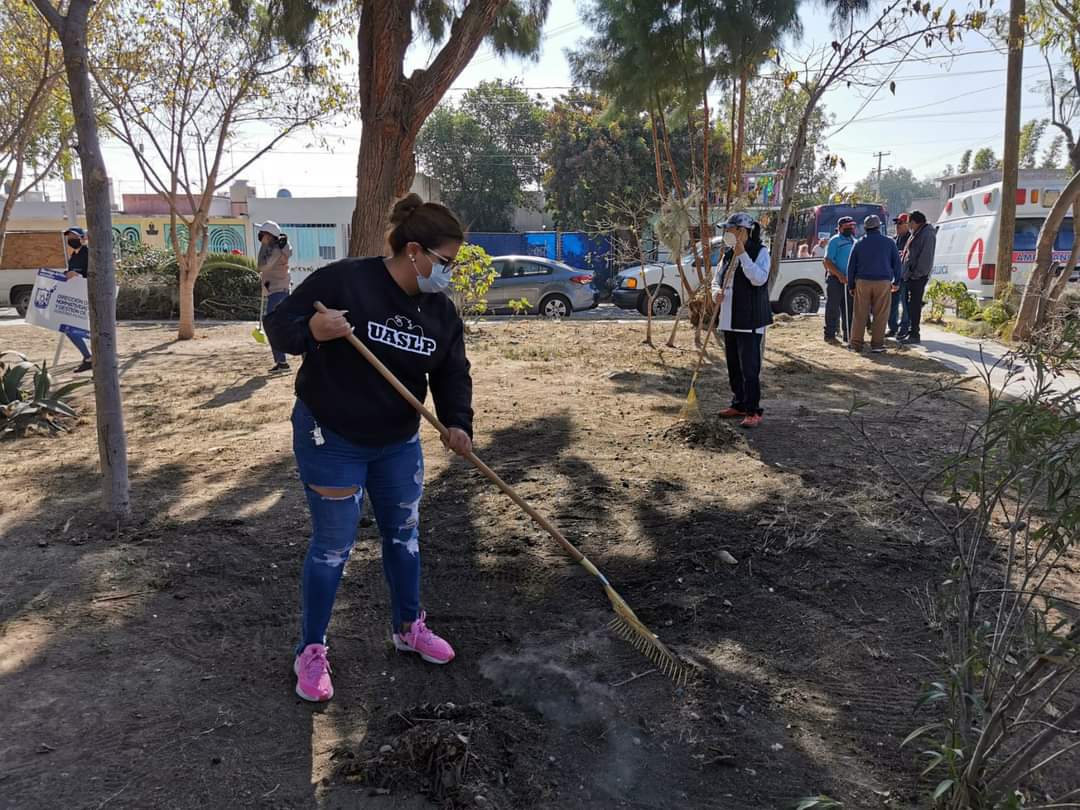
1074	259
1033	306
729	192
188	275
112	441
1011	158
791	176
741	144
660	185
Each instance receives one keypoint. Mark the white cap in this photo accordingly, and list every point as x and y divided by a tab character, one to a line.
269	227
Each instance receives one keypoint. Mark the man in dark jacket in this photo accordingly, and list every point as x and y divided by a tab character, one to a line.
918	264
874	273
903	233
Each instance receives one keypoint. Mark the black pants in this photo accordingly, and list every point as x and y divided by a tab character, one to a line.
837	309
742	351
913	291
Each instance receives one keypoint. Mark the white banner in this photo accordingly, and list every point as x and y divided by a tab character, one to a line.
60	304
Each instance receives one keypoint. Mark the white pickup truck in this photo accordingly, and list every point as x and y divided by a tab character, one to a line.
799	288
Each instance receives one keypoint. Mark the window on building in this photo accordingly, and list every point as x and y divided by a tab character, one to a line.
952	189
976	182
328	252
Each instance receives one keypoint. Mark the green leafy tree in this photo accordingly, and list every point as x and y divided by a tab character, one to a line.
898	188
965	163
771	125
484	151
592	158
1031	135
752	30
1052	156
473	276
393	106
984	160
594	154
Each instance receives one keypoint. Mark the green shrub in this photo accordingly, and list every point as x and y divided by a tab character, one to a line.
227	290
227	287
472	278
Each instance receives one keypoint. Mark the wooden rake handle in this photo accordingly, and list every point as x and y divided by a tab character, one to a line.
489	473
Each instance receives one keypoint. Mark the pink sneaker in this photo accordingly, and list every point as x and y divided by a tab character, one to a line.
313	674
421	640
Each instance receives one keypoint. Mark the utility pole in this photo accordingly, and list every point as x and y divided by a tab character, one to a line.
879	156
1010	162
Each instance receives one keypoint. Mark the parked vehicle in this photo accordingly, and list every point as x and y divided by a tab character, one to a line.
970	227
553	289
799	288
810	224
26	252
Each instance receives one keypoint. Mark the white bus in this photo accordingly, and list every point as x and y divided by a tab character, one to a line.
969	228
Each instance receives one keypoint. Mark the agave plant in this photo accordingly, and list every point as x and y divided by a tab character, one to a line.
27	396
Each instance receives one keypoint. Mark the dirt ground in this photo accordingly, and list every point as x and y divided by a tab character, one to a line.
152	667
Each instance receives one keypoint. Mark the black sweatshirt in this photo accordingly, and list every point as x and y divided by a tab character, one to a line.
417	337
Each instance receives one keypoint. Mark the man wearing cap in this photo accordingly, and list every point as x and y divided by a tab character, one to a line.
273	266
903	233
838	303
78	265
874	274
918	264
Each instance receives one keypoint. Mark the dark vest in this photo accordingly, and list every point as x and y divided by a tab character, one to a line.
750	308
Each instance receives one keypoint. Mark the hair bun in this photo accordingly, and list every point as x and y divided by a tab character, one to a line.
404	208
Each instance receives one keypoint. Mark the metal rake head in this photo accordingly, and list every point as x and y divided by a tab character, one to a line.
630	628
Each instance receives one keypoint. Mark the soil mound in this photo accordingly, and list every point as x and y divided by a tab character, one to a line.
714	434
457	756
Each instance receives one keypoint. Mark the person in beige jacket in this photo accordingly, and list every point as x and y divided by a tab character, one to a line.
273	266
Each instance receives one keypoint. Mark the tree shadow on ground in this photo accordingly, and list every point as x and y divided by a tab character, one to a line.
237	392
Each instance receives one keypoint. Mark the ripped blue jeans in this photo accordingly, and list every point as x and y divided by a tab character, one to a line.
393	478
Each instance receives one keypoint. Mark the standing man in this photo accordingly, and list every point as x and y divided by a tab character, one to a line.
874	274
273	266
918	264
837	301
78	265
903	233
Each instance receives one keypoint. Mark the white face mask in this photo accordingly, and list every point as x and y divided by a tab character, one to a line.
438	281
729	239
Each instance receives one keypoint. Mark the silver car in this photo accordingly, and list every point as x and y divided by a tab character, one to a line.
553	289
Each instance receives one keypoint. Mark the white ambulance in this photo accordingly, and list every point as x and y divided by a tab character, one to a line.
969	228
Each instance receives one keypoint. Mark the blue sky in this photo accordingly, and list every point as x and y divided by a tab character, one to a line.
941	107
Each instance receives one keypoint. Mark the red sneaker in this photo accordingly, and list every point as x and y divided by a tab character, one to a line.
731	413
751	421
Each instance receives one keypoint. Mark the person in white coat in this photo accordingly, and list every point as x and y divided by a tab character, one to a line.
740	289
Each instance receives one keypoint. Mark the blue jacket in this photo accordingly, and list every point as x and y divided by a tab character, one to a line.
874	258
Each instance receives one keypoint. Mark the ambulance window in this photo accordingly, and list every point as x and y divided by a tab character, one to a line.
1027	234
1064	239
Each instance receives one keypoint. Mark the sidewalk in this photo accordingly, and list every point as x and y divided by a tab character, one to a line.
969	356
